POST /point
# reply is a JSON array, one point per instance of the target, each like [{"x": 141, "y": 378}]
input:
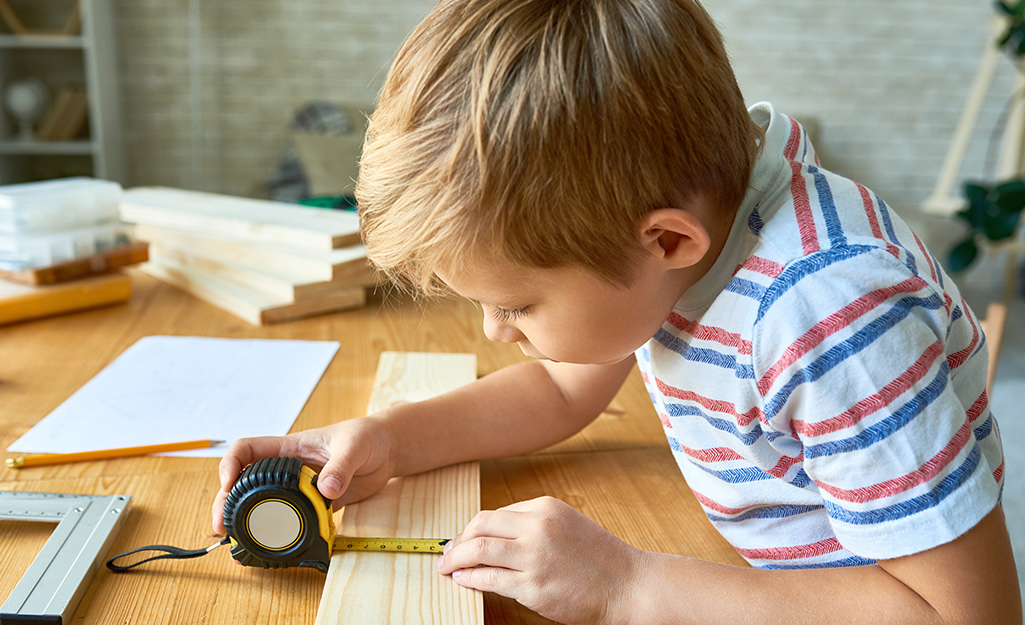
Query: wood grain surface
[
  {"x": 401, "y": 588},
  {"x": 618, "y": 470}
]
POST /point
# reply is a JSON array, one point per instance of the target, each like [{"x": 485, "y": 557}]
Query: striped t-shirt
[{"x": 823, "y": 386}]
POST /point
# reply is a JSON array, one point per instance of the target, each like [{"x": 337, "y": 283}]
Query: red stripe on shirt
[
  {"x": 820, "y": 548},
  {"x": 923, "y": 474},
  {"x": 784, "y": 465},
  {"x": 715, "y": 405},
  {"x": 799, "y": 191},
  {"x": 875, "y": 402},
  {"x": 794, "y": 141},
  {"x": 710, "y": 333},
  {"x": 712, "y": 454},
  {"x": 978, "y": 407},
  {"x": 763, "y": 266},
  {"x": 711, "y": 504},
  {"x": 802, "y": 209},
  {"x": 873, "y": 219},
  {"x": 928, "y": 257},
  {"x": 958, "y": 358},
  {"x": 833, "y": 324}
]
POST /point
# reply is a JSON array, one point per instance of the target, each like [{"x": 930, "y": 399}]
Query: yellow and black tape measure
[{"x": 276, "y": 518}]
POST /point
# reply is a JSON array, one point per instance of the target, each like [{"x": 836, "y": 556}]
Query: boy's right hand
[{"x": 356, "y": 457}]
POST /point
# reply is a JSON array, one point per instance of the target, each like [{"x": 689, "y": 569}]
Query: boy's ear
[{"x": 675, "y": 236}]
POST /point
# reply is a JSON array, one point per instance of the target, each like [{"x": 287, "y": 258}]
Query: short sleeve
[{"x": 878, "y": 376}]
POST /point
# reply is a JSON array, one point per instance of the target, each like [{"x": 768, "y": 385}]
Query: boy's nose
[{"x": 501, "y": 332}]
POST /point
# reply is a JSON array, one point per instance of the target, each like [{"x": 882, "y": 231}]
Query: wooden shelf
[
  {"x": 80, "y": 133},
  {"x": 47, "y": 147},
  {"x": 42, "y": 41}
]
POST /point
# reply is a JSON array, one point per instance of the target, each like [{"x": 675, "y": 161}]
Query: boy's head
[{"x": 541, "y": 132}]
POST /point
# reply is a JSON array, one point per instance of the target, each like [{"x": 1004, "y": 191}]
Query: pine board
[
  {"x": 250, "y": 305},
  {"x": 347, "y": 264},
  {"x": 406, "y": 589},
  {"x": 245, "y": 219},
  {"x": 278, "y": 282},
  {"x": 19, "y": 302},
  {"x": 97, "y": 264}
]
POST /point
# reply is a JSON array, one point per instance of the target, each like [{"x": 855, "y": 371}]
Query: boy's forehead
[{"x": 493, "y": 282}]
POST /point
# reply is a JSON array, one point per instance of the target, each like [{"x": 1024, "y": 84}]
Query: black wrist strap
[{"x": 172, "y": 553}]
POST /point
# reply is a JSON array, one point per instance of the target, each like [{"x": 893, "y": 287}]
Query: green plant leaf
[
  {"x": 1001, "y": 226},
  {"x": 963, "y": 255},
  {"x": 975, "y": 212}
]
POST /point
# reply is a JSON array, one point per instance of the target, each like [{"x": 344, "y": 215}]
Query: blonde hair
[{"x": 541, "y": 131}]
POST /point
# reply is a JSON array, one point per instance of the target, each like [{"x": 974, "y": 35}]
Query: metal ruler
[{"x": 54, "y": 583}]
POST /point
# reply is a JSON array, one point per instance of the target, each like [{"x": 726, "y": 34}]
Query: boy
[{"x": 587, "y": 172}]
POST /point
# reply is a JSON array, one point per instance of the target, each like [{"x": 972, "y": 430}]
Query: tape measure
[{"x": 276, "y": 518}]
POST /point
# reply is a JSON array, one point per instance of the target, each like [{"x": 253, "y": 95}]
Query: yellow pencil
[{"x": 104, "y": 454}]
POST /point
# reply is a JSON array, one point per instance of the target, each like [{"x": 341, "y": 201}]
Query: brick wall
[
  {"x": 215, "y": 116},
  {"x": 883, "y": 81}
]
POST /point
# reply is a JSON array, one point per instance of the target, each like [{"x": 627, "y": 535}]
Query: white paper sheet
[{"x": 166, "y": 389}]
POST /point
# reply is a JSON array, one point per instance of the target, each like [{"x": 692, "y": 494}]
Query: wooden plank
[
  {"x": 97, "y": 264},
  {"x": 405, "y": 589},
  {"x": 277, "y": 282},
  {"x": 993, "y": 328},
  {"x": 19, "y": 302},
  {"x": 244, "y": 219},
  {"x": 253, "y": 306},
  {"x": 347, "y": 264}
]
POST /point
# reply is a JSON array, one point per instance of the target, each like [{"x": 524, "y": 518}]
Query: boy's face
[{"x": 567, "y": 314}]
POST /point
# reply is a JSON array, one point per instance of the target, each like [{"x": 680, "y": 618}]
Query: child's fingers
[
  {"x": 488, "y": 579},
  {"x": 483, "y": 551},
  {"x": 242, "y": 453},
  {"x": 246, "y": 451},
  {"x": 218, "y": 512}
]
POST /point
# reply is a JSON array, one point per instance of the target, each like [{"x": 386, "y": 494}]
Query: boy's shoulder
[{"x": 802, "y": 218}]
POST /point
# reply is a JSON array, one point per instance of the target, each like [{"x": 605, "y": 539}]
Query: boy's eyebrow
[{"x": 479, "y": 303}]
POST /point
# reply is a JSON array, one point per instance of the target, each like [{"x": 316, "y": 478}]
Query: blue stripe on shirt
[
  {"x": 834, "y": 228},
  {"x": 800, "y": 269},
  {"x": 851, "y": 561},
  {"x": 746, "y": 288},
  {"x": 723, "y": 425},
  {"x": 884, "y": 428},
  {"x": 904, "y": 509},
  {"x": 782, "y": 511},
  {"x": 851, "y": 346},
  {"x": 884, "y": 214},
  {"x": 704, "y": 355}
]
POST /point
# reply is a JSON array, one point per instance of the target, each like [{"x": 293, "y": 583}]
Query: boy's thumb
[{"x": 329, "y": 484}]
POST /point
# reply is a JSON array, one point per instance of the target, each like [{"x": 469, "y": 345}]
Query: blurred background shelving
[{"x": 61, "y": 52}]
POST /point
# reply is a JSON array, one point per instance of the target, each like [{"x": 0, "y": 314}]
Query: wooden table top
[{"x": 619, "y": 471}]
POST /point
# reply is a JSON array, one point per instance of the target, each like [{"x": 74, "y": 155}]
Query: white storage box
[
  {"x": 58, "y": 205},
  {"x": 23, "y": 251}
]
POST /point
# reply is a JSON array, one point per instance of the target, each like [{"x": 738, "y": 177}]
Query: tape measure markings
[{"x": 408, "y": 545}]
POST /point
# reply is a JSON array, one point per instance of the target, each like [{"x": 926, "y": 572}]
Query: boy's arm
[
  {"x": 511, "y": 411},
  {"x": 594, "y": 577}
]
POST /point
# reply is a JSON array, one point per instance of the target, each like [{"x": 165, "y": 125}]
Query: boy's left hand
[{"x": 547, "y": 556}]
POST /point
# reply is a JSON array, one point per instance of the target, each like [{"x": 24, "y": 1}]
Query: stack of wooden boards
[
  {"x": 61, "y": 248},
  {"x": 262, "y": 261}
]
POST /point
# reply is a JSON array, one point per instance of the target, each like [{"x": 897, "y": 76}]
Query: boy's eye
[{"x": 506, "y": 314}]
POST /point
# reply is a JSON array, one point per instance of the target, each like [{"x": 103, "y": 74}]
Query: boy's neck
[{"x": 719, "y": 233}]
